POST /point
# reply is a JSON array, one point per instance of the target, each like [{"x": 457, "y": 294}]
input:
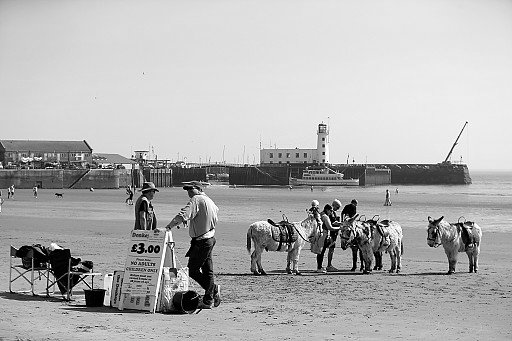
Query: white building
[{"x": 320, "y": 155}]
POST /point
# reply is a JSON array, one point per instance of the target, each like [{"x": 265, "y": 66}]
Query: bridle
[
  {"x": 434, "y": 233},
  {"x": 310, "y": 216}
]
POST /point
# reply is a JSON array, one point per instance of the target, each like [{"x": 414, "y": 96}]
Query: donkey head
[
  {"x": 433, "y": 235},
  {"x": 348, "y": 232}
]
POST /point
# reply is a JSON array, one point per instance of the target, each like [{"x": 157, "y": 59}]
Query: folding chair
[
  {"x": 61, "y": 266},
  {"x": 36, "y": 270}
]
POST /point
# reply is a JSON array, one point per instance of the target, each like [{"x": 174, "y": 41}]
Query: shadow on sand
[{"x": 27, "y": 296}]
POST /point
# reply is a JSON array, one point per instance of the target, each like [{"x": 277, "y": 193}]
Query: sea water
[{"x": 487, "y": 201}]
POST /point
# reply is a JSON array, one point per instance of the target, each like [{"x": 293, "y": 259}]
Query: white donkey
[
  {"x": 451, "y": 237},
  {"x": 261, "y": 234},
  {"x": 387, "y": 236}
]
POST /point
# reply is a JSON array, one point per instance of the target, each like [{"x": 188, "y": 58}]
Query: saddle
[
  {"x": 383, "y": 229},
  {"x": 283, "y": 232},
  {"x": 466, "y": 231}
]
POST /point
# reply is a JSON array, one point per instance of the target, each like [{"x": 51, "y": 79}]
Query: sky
[{"x": 218, "y": 80}]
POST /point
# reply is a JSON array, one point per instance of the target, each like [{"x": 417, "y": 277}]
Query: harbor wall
[
  {"x": 429, "y": 174},
  {"x": 259, "y": 176},
  {"x": 97, "y": 178},
  {"x": 280, "y": 174},
  {"x": 375, "y": 176},
  {"x": 168, "y": 177},
  {"x": 62, "y": 178}
]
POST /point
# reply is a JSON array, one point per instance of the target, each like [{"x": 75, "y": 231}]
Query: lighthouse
[{"x": 322, "y": 144}]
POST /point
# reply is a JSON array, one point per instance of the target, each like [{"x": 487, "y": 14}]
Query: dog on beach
[{"x": 59, "y": 195}]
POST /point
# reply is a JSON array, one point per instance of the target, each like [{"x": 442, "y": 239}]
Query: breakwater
[
  {"x": 429, "y": 174},
  {"x": 368, "y": 175},
  {"x": 279, "y": 175}
]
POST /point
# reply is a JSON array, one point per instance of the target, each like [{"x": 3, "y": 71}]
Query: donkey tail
[
  {"x": 402, "y": 248},
  {"x": 249, "y": 237}
]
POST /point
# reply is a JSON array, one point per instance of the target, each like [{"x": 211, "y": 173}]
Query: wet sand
[{"x": 421, "y": 303}]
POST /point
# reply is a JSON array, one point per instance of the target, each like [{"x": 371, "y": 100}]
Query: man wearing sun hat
[
  {"x": 201, "y": 215},
  {"x": 145, "y": 218}
]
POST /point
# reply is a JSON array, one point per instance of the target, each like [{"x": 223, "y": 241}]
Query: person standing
[
  {"x": 335, "y": 222},
  {"x": 201, "y": 215},
  {"x": 129, "y": 192},
  {"x": 145, "y": 218},
  {"x": 12, "y": 191},
  {"x": 350, "y": 210},
  {"x": 34, "y": 189},
  {"x": 1, "y": 203},
  {"x": 9, "y": 192},
  {"x": 326, "y": 229},
  {"x": 388, "y": 198}
]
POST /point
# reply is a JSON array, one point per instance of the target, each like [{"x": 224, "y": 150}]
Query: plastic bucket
[
  {"x": 94, "y": 297},
  {"x": 185, "y": 302}
]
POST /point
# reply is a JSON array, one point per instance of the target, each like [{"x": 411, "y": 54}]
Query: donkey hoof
[
  {"x": 263, "y": 273},
  {"x": 298, "y": 273},
  {"x": 288, "y": 271},
  {"x": 450, "y": 272},
  {"x": 353, "y": 269},
  {"x": 256, "y": 273},
  {"x": 366, "y": 272}
]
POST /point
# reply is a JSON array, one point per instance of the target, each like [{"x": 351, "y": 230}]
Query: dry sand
[{"x": 421, "y": 303}]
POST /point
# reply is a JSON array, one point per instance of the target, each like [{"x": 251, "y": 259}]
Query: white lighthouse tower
[{"x": 322, "y": 144}]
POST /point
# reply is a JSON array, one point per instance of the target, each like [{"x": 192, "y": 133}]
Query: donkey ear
[
  {"x": 438, "y": 220},
  {"x": 430, "y": 219}
]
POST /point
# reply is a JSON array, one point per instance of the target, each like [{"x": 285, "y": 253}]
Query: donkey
[
  {"x": 451, "y": 237},
  {"x": 260, "y": 233},
  {"x": 387, "y": 236},
  {"x": 354, "y": 232}
]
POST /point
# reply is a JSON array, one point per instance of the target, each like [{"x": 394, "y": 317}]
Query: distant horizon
[{"x": 395, "y": 80}]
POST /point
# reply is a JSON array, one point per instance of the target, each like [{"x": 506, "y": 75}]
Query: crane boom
[{"x": 457, "y": 140}]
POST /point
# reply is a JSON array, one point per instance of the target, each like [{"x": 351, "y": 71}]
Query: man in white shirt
[{"x": 201, "y": 215}]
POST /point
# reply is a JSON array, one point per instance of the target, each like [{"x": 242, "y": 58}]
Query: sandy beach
[{"x": 421, "y": 303}]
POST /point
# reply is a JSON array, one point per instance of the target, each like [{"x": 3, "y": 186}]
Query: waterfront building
[
  {"x": 15, "y": 153},
  {"x": 113, "y": 161},
  {"x": 319, "y": 155}
]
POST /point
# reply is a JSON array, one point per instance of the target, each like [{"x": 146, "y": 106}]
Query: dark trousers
[
  {"x": 320, "y": 257},
  {"x": 200, "y": 266}
]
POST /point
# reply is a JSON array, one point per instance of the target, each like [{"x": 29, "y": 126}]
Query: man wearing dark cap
[
  {"x": 201, "y": 215},
  {"x": 145, "y": 218}
]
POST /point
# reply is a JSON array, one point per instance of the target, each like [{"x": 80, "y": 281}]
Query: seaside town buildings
[{"x": 42, "y": 154}]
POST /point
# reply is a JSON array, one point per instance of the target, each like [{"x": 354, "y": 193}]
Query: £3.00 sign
[{"x": 143, "y": 269}]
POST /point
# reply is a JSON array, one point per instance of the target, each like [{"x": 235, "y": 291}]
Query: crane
[{"x": 454, "y": 144}]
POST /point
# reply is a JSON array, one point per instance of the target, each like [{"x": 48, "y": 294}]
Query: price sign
[
  {"x": 141, "y": 248},
  {"x": 148, "y": 252}
]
